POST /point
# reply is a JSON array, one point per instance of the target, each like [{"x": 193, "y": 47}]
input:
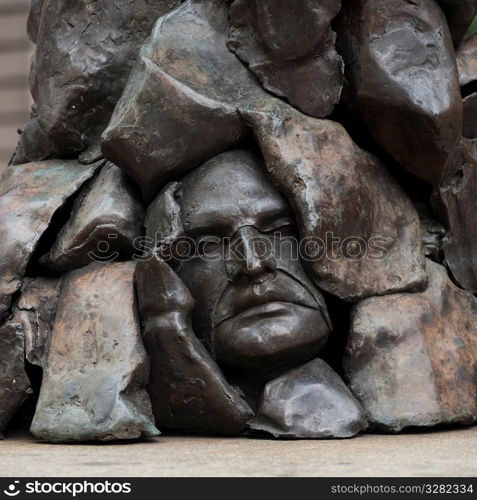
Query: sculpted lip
[
  {"x": 253, "y": 297},
  {"x": 269, "y": 309}
]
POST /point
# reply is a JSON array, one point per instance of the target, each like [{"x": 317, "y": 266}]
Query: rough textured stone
[
  {"x": 411, "y": 359},
  {"x": 30, "y": 194},
  {"x": 338, "y": 190},
  {"x": 96, "y": 367},
  {"x": 33, "y": 145},
  {"x": 27, "y": 334},
  {"x": 35, "y": 311},
  {"x": 467, "y": 61},
  {"x": 309, "y": 402},
  {"x": 34, "y": 19},
  {"x": 432, "y": 232},
  {"x": 472, "y": 145},
  {"x": 470, "y": 116},
  {"x": 291, "y": 49},
  {"x": 85, "y": 50},
  {"x": 179, "y": 107},
  {"x": 107, "y": 210},
  {"x": 402, "y": 81},
  {"x": 456, "y": 204},
  {"x": 14, "y": 383},
  {"x": 187, "y": 388},
  {"x": 460, "y": 14}
]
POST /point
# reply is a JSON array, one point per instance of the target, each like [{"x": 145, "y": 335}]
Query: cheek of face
[
  {"x": 206, "y": 282},
  {"x": 270, "y": 338}
]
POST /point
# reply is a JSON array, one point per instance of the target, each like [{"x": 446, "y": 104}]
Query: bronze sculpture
[
  {"x": 197, "y": 219},
  {"x": 261, "y": 315}
]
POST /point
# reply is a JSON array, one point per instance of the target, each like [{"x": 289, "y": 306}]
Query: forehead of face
[{"x": 229, "y": 192}]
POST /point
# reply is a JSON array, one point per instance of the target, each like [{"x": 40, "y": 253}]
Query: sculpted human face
[{"x": 255, "y": 307}]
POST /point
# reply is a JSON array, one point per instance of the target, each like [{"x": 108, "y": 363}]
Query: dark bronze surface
[
  {"x": 96, "y": 369},
  {"x": 107, "y": 212},
  {"x": 187, "y": 388},
  {"x": 261, "y": 312},
  {"x": 410, "y": 358},
  {"x": 402, "y": 81},
  {"x": 34, "y": 19},
  {"x": 456, "y": 203},
  {"x": 290, "y": 47},
  {"x": 30, "y": 194},
  {"x": 34, "y": 145},
  {"x": 85, "y": 50},
  {"x": 309, "y": 402},
  {"x": 467, "y": 61},
  {"x": 14, "y": 382},
  {"x": 179, "y": 108},
  {"x": 339, "y": 190},
  {"x": 470, "y": 116},
  {"x": 35, "y": 311},
  {"x": 23, "y": 338},
  {"x": 460, "y": 14},
  {"x": 211, "y": 275},
  {"x": 432, "y": 231}
]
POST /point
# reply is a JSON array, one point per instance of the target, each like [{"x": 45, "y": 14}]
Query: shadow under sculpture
[{"x": 233, "y": 325}]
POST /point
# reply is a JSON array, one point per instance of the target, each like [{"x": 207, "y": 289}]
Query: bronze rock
[
  {"x": 34, "y": 145},
  {"x": 85, "y": 50},
  {"x": 34, "y": 19},
  {"x": 309, "y": 402},
  {"x": 467, "y": 61},
  {"x": 107, "y": 212},
  {"x": 179, "y": 107},
  {"x": 402, "y": 81},
  {"x": 14, "y": 382},
  {"x": 30, "y": 194},
  {"x": 188, "y": 390},
  {"x": 290, "y": 47},
  {"x": 460, "y": 14},
  {"x": 35, "y": 311},
  {"x": 470, "y": 116},
  {"x": 96, "y": 370},
  {"x": 411, "y": 359},
  {"x": 456, "y": 203},
  {"x": 363, "y": 231}
]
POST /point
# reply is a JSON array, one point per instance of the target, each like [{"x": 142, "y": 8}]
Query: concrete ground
[{"x": 439, "y": 453}]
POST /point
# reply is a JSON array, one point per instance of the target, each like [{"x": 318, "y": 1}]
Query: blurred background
[{"x": 15, "y": 54}]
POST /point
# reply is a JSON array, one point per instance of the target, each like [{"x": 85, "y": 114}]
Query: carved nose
[{"x": 251, "y": 254}]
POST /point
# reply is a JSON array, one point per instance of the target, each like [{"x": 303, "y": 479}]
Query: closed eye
[
  {"x": 207, "y": 244},
  {"x": 287, "y": 228}
]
